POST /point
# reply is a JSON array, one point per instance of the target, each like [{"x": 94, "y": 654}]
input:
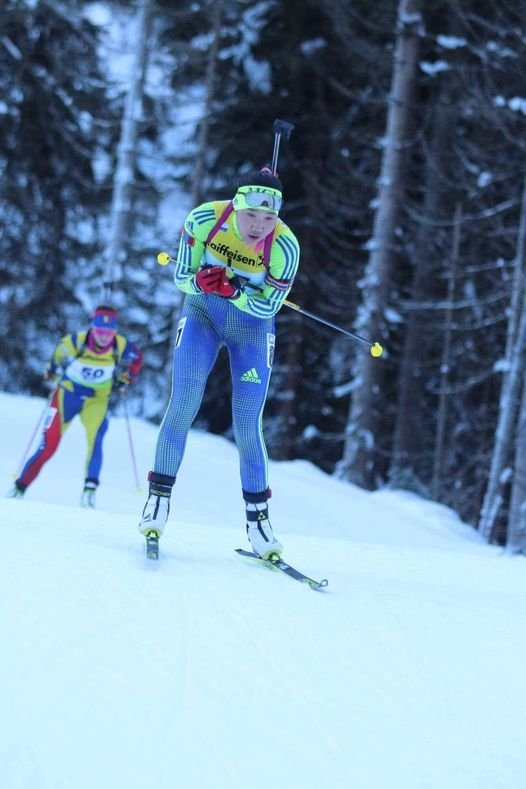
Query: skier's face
[
  {"x": 254, "y": 225},
  {"x": 103, "y": 336}
]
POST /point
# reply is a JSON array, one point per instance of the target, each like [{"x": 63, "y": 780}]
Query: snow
[
  {"x": 518, "y": 104},
  {"x": 205, "y": 671},
  {"x": 451, "y": 42},
  {"x": 435, "y": 67}
]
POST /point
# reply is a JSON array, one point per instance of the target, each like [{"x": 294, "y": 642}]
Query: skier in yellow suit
[{"x": 85, "y": 367}]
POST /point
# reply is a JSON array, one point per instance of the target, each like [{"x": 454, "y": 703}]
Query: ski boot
[
  {"x": 16, "y": 492},
  {"x": 156, "y": 511},
  {"x": 259, "y": 530},
  {"x": 87, "y": 500}
]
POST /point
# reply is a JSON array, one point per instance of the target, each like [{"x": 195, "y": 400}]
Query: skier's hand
[
  {"x": 214, "y": 279},
  {"x": 208, "y": 278},
  {"x": 124, "y": 380},
  {"x": 229, "y": 287}
]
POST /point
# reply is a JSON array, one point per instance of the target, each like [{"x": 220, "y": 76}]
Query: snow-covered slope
[{"x": 205, "y": 671}]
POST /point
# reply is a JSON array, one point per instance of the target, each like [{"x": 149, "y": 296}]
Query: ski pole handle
[{"x": 283, "y": 128}]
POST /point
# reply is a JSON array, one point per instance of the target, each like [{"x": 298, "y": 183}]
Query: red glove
[
  {"x": 229, "y": 287},
  {"x": 208, "y": 278},
  {"x": 214, "y": 279}
]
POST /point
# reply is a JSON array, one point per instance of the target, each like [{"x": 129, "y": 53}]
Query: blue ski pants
[{"x": 208, "y": 323}]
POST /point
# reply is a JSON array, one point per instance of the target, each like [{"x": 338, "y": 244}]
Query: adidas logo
[{"x": 251, "y": 376}]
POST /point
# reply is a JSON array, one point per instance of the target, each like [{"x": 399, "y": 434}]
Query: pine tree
[{"x": 53, "y": 128}]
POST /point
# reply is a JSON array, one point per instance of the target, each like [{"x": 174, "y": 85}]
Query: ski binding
[{"x": 152, "y": 545}]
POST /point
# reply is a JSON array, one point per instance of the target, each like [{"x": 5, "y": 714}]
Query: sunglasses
[
  {"x": 104, "y": 331},
  {"x": 270, "y": 200}
]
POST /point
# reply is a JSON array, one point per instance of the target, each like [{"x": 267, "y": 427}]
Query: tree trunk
[
  {"x": 126, "y": 156},
  {"x": 359, "y": 457},
  {"x": 211, "y": 72},
  {"x": 411, "y": 461},
  {"x": 516, "y": 535},
  {"x": 441, "y": 427},
  {"x": 510, "y": 392}
]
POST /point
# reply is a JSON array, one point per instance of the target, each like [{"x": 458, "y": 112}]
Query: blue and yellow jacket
[{"x": 91, "y": 373}]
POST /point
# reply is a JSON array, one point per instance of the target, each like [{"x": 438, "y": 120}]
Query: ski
[
  {"x": 287, "y": 569},
  {"x": 152, "y": 545}
]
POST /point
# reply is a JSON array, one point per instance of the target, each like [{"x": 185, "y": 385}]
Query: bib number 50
[{"x": 92, "y": 373}]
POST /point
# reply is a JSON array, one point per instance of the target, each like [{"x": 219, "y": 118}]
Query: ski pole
[
  {"x": 41, "y": 418},
  {"x": 132, "y": 451},
  {"x": 375, "y": 349}
]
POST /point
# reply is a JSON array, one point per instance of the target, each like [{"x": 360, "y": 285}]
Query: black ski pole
[{"x": 375, "y": 349}]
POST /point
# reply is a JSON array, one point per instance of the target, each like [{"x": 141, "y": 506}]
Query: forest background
[{"x": 404, "y": 180}]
